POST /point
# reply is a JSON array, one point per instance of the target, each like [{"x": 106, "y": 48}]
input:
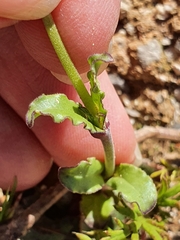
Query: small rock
[
  {"x": 171, "y": 54},
  {"x": 122, "y": 32},
  {"x": 116, "y": 80},
  {"x": 176, "y": 67},
  {"x": 175, "y": 23},
  {"x": 162, "y": 78},
  {"x": 177, "y": 94},
  {"x": 177, "y": 45},
  {"x": 130, "y": 29},
  {"x": 165, "y": 41},
  {"x": 164, "y": 10},
  {"x": 149, "y": 53},
  {"x": 126, "y": 5},
  {"x": 132, "y": 113},
  {"x": 161, "y": 14}
]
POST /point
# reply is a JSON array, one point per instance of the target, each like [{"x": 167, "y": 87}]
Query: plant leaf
[
  {"x": 117, "y": 234},
  {"x": 96, "y": 209},
  {"x": 135, "y": 236},
  {"x": 7, "y": 206},
  {"x": 134, "y": 185},
  {"x": 82, "y": 236},
  {"x": 85, "y": 178},
  {"x": 97, "y": 95},
  {"x": 155, "y": 232},
  {"x": 59, "y": 107}
]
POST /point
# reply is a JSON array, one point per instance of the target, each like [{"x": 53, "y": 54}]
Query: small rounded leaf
[
  {"x": 85, "y": 178},
  {"x": 134, "y": 186}
]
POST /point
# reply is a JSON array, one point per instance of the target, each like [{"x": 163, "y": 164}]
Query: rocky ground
[
  {"x": 146, "y": 49},
  {"x": 146, "y": 75}
]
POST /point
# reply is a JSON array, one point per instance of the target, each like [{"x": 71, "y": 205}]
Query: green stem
[
  {"x": 78, "y": 84},
  {"x": 68, "y": 64},
  {"x": 108, "y": 146}
]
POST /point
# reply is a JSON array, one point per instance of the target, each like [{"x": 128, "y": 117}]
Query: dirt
[
  {"x": 146, "y": 75},
  {"x": 146, "y": 49}
]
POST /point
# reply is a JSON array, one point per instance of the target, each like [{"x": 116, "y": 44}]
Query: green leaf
[
  {"x": 154, "y": 231},
  {"x": 82, "y": 236},
  {"x": 96, "y": 209},
  {"x": 168, "y": 196},
  {"x": 168, "y": 202},
  {"x": 85, "y": 178},
  {"x": 163, "y": 188},
  {"x": 135, "y": 236},
  {"x": 97, "y": 95},
  {"x": 134, "y": 185},
  {"x": 96, "y": 60},
  {"x": 7, "y": 209},
  {"x": 172, "y": 191},
  {"x": 59, "y": 107},
  {"x": 117, "y": 234},
  {"x": 126, "y": 211}
]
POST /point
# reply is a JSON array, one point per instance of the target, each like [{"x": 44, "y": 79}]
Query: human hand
[{"x": 26, "y": 59}]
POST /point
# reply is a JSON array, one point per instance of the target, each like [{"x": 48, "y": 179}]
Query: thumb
[{"x": 26, "y": 9}]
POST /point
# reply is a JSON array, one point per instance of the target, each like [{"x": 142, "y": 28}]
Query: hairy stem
[
  {"x": 108, "y": 146},
  {"x": 78, "y": 84},
  {"x": 67, "y": 64}
]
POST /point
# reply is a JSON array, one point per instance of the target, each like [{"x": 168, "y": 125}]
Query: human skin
[{"x": 26, "y": 62}]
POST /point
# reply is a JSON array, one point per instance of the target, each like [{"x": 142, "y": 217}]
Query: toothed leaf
[
  {"x": 59, "y": 107},
  {"x": 97, "y": 95}
]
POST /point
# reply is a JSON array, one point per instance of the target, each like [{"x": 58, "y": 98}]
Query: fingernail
[
  {"x": 65, "y": 78},
  {"x": 138, "y": 156},
  {"x": 28, "y": 10}
]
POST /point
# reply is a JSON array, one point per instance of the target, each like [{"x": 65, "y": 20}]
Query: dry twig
[
  {"x": 19, "y": 226},
  {"x": 158, "y": 132}
]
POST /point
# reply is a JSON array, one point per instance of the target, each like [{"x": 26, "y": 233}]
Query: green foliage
[
  {"x": 88, "y": 176},
  {"x": 97, "y": 95},
  {"x": 131, "y": 223},
  {"x": 85, "y": 178},
  {"x": 6, "y": 211},
  {"x": 168, "y": 186},
  {"x": 96, "y": 209},
  {"x": 82, "y": 236},
  {"x": 129, "y": 191},
  {"x": 59, "y": 107},
  {"x": 132, "y": 227},
  {"x": 131, "y": 188}
]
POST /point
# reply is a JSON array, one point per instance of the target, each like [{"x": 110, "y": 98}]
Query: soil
[
  {"x": 146, "y": 49},
  {"x": 146, "y": 75}
]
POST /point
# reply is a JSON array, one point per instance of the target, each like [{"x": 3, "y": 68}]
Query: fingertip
[
  {"x": 5, "y": 22},
  {"x": 83, "y": 32},
  {"x": 77, "y": 144},
  {"x": 22, "y": 155},
  {"x": 27, "y": 9}
]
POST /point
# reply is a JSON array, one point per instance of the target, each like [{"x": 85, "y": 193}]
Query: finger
[
  {"x": 26, "y": 9},
  {"x": 78, "y": 144},
  {"x": 25, "y": 80},
  {"x": 6, "y": 22},
  {"x": 21, "y": 154},
  {"x": 86, "y": 27}
]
